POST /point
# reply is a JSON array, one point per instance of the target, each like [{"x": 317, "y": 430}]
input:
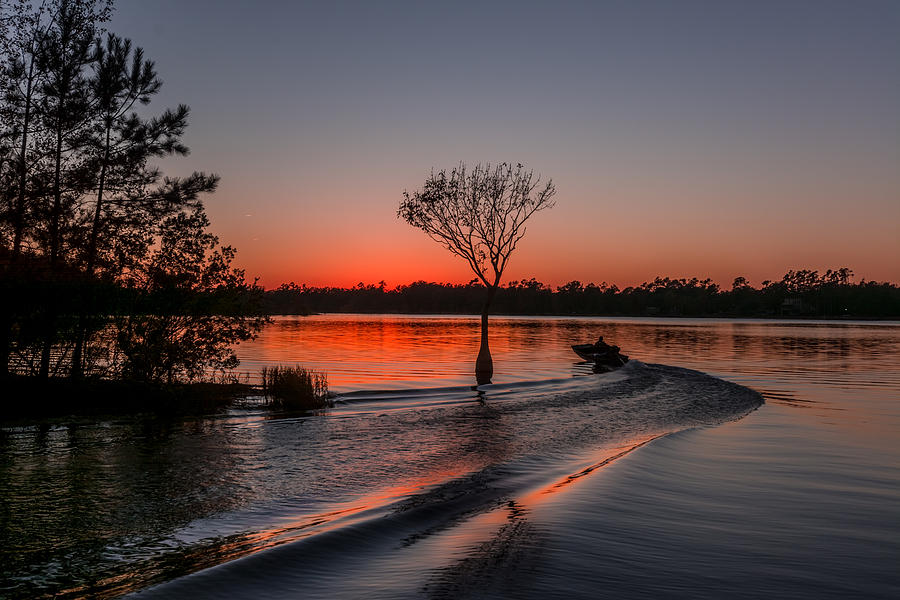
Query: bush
[{"x": 295, "y": 388}]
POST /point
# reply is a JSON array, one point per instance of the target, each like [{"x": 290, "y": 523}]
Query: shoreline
[
  {"x": 613, "y": 317},
  {"x": 32, "y": 400}
]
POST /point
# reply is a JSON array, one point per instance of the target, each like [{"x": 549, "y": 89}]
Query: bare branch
[{"x": 478, "y": 214}]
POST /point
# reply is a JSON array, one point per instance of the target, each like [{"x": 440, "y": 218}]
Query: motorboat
[{"x": 601, "y": 356}]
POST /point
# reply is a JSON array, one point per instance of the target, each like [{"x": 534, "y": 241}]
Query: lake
[{"x": 730, "y": 457}]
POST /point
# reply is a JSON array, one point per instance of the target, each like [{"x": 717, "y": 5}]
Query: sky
[{"x": 709, "y": 139}]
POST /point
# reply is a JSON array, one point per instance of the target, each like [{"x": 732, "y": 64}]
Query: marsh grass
[{"x": 295, "y": 388}]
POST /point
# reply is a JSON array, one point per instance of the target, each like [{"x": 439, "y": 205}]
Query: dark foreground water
[{"x": 553, "y": 482}]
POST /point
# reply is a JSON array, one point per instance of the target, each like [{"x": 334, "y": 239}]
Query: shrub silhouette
[{"x": 295, "y": 388}]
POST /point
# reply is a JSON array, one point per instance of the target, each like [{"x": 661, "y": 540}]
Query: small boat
[{"x": 603, "y": 357}]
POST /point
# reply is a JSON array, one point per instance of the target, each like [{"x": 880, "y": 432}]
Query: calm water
[{"x": 552, "y": 482}]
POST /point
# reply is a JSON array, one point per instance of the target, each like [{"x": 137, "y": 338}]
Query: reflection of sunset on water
[
  {"x": 397, "y": 352},
  {"x": 424, "y": 484},
  {"x": 372, "y": 351}
]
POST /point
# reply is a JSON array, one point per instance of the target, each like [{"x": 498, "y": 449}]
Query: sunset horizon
[
  {"x": 724, "y": 282},
  {"x": 691, "y": 139}
]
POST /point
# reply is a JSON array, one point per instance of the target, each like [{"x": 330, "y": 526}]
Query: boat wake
[{"x": 399, "y": 494}]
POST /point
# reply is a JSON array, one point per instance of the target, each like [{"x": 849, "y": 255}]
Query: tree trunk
[
  {"x": 19, "y": 214},
  {"x": 46, "y": 349},
  {"x": 78, "y": 353},
  {"x": 55, "y": 216},
  {"x": 44, "y": 370},
  {"x": 6, "y": 323},
  {"x": 55, "y": 213},
  {"x": 484, "y": 364},
  {"x": 81, "y": 335}
]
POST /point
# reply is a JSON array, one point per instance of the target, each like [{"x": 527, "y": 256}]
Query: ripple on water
[{"x": 124, "y": 503}]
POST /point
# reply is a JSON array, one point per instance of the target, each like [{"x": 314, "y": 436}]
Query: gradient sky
[{"x": 709, "y": 139}]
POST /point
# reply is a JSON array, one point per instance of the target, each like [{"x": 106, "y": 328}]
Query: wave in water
[{"x": 410, "y": 478}]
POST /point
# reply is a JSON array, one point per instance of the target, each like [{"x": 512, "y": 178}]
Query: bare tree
[{"x": 479, "y": 215}]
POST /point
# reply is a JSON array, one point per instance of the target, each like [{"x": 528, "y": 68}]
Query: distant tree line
[
  {"x": 801, "y": 293},
  {"x": 107, "y": 267}
]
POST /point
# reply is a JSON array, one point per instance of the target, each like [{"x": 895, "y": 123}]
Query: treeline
[
  {"x": 107, "y": 267},
  {"x": 802, "y": 293}
]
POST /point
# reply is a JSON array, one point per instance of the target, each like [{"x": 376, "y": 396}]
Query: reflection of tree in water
[
  {"x": 750, "y": 343},
  {"x": 807, "y": 347},
  {"x": 103, "y": 492},
  {"x": 481, "y": 432}
]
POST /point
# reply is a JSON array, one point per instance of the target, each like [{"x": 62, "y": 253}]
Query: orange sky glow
[
  {"x": 625, "y": 245},
  {"x": 744, "y": 139}
]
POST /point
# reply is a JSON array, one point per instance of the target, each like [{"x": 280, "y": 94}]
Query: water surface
[{"x": 430, "y": 488}]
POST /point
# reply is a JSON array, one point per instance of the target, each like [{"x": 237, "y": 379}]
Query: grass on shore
[
  {"x": 27, "y": 398},
  {"x": 295, "y": 388}
]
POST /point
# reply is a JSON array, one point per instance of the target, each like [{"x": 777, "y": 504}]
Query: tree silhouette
[
  {"x": 65, "y": 51},
  {"x": 117, "y": 148},
  {"x": 106, "y": 266},
  {"x": 195, "y": 305},
  {"x": 831, "y": 294},
  {"x": 479, "y": 215}
]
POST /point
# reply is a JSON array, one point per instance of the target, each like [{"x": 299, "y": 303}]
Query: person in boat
[
  {"x": 601, "y": 353},
  {"x": 606, "y": 351},
  {"x": 603, "y": 348}
]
